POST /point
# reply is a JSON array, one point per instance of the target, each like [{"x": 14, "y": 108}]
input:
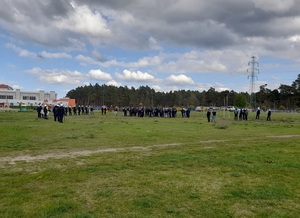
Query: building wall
[{"x": 17, "y": 97}]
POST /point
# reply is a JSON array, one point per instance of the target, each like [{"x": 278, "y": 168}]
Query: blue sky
[{"x": 166, "y": 45}]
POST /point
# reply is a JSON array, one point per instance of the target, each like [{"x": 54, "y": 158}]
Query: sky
[{"x": 164, "y": 44}]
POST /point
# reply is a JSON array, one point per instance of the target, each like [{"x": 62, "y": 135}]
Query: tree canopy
[{"x": 287, "y": 96}]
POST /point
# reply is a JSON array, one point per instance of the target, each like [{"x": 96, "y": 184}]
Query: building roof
[{"x": 6, "y": 87}]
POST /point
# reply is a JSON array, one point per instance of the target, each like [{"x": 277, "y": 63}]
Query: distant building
[
  {"x": 11, "y": 97},
  {"x": 68, "y": 102}
]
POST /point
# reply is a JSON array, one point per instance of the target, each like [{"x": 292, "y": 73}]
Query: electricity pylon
[{"x": 254, "y": 70}]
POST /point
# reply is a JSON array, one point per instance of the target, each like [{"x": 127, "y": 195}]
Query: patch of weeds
[
  {"x": 174, "y": 211},
  {"x": 104, "y": 193},
  {"x": 194, "y": 195},
  {"x": 83, "y": 215},
  {"x": 59, "y": 195},
  {"x": 11, "y": 211},
  {"x": 270, "y": 193},
  {"x": 235, "y": 175},
  {"x": 144, "y": 203},
  {"x": 222, "y": 124},
  {"x": 71, "y": 137},
  {"x": 91, "y": 136},
  {"x": 91, "y": 169},
  {"x": 58, "y": 209},
  {"x": 261, "y": 193}
]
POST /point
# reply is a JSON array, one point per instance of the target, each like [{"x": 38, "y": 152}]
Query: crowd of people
[
  {"x": 59, "y": 111},
  {"x": 155, "y": 112}
]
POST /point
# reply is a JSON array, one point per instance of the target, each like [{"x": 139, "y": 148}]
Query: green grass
[{"x": 115, "y": 166}]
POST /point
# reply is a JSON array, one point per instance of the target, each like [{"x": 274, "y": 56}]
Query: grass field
[{"x": 115, "y": 166}]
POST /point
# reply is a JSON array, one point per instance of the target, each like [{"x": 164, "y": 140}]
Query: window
[
  {"x": 10, "y": 97},
  {"x": 25, "y": 97},
  {"x": 32, "y": 98},
  {"x": 2, "y": 96}
]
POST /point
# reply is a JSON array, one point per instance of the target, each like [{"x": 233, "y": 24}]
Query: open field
[{"x": 115, "y": 166}]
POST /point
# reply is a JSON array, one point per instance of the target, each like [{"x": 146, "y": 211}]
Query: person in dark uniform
[
  {"x": 82, "y": 109},
  {"x": 208, "y": 115},
  {"x": 269, "y": 115},
  {"x": 74, "y": 110},
  {"x": 188, "y": 112},
  {"x": 39, "y": 110},
  {"x": 70, "y": 111},
  {"x": 79, "y": 109},
  {"x": 257, "y": 113},
  {"x": 61, "y": 112},
  {"x": 45, "y": 112},
  {"x": 55, "y": 112}
]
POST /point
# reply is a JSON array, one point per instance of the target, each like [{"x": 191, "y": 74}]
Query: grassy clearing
[{"x": 108, "y": 166}]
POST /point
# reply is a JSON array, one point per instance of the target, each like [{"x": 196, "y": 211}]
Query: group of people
[
  {"x": 268, "y": 114},
  {"x": 80, "y": 109},
  {"x": 241, "y": 114},
  {"x": 211, "y": 115},
  {"x": 43, "y": 111},
  {"x": 154, "y": 112},
  {"x": 59, "y": 111}
]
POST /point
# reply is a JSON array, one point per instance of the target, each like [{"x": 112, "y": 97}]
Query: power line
[{"x": 253, "y": 63}]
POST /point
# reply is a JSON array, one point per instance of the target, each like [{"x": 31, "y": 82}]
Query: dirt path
[{"x": 73, "y": 154}]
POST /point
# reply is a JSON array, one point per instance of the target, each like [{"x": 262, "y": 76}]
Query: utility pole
[{"x": 254, "y": 70}]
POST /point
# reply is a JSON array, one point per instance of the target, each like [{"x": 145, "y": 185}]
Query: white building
[{"x": 12, "y": 97}]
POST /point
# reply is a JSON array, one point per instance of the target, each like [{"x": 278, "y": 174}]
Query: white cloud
[
  {"x": 153, "y": 44},
  {"x": 180, "y": 80},
  {"x": 17, "y": 87},
  {"x": 114, "y": 83},
  {"x": 133, "y": 76},
  {"x": 45, "y": 54},
  {"x": 57, "y": 76},
  {"x": 278, "y": 6},
  {"x": 99, "y": 75},
  {"x": 85, "y": 60},
  {"x": 84, "y": 21},
  {"x": 21, "y": 52}
]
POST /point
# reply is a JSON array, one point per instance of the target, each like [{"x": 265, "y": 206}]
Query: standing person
[
  {"x": 39, "y": 111},
  {"x": 241, "y": 114},
  {"x": 182, "y": 112},
  {"x": 188, "y": 112},
  {"x": 70, "y": 111},
  {"x": 46, "y": 112},
  {"x": 92, "y": 110},
  {"x": 257, "y": 113},
  {"x": 79, "y": 109},
  {"x": 55, "y": 112},
  {"x": 246, "y": 114},
  {"x": 236, "y": 112},
  {"x": 214, "y": 116},
  {"x": 61, "y": 112},
  {"x": 208, "y": 115},
  {"x": 75, "y": 110},
  {"x": 269, "y": 115},
  {"x": 42, "y": 111},
  {"x": 82, "y": 109},
  {"x": 116, "y": 111}
]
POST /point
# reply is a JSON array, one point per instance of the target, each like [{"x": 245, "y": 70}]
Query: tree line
[{"x": 285, "y": 97}]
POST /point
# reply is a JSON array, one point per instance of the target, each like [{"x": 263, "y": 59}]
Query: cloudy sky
[{"x": 165, "y": 44}]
